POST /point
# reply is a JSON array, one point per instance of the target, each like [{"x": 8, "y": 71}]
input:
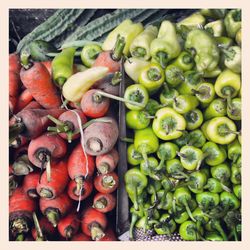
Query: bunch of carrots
[{"x": 62, "y": 156}]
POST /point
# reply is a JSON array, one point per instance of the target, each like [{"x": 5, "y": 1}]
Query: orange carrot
[
  {"x": 23, "y": 100},
  {"x": 14, "y": 63},
  {"x": 38, "y": 81}
]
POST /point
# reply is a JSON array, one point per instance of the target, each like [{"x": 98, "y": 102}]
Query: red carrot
[
  {"x": 21, "y": 208},
  {"x": 23, "y": 100},
  {"x": 14, "y": 63},
  {"x": 30, "y": 183},
  {"x": 100, "y": 137},
  {"x": 94, "y": 105},
  {"x": 104, "y": 202},
  {"x": 69, "y": 225},
  {"x": 81, "y": 237},
  {"x": 33, "y": 105},
  {"x": 47, "y": 64},
  {"x": 59, "y": 180},
  {"x": 45, "y": 148},
  {"x": 106, "y": 163},
  {"x": 109, "y": 235},
  {"x": 12, "y": 105},
  {"x": 46, "y": 227},
  {"x": 80, "y": 168},
  {"x": 106, "y": 183},
  {"x": 56, "y": 208},
  {"x": 14, "y": 84},
  {"x": 38, "y": 81},
  {"x": 67, "y": 124},
  {"x": 31, "y": 122},
  {"x": 94, "y": 223},
  {"x": 75, "y": 105},
  {"x": 84, "y": 192}
]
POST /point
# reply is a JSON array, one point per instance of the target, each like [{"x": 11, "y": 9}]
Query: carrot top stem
[
  {"x": 19, "y": 225},
  {"x": 46, "y": 193},
  {"x": 96, "y": 231},
  {"x": 53, "y": 216},
  {"x": 108, "y": 181},
  {"x": 79, "y": 184},
  {"x": 32, "y": 193},
  {"x": 38, "y": 228},
  {"x": 103, "y": 168},
  {"x": 117, "y": 52},
  {"x": 20, "y": 237},
  {"x": 101, "y": 203},
  {"x": 69, "y": 232}
]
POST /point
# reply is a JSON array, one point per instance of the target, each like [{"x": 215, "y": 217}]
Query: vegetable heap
[{"x": 185, "y": 158}]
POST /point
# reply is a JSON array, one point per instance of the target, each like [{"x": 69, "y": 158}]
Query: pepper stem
[
  {"x": 162, "y": 58},
  {"x": 139, "y": 52},
  {"x": 161, "y": 164},
  {"x": 118, "y": 50},
  {"x": 218, "y": 227},
  {"x": 224, "y": 187},
  {"x": 118, "y": 98},
  {"x": 126, "y": 139},
  {"x": 185, "y": 203},
  {"x": 134, "y": 219},
  {"x": 116, "y": 78}
]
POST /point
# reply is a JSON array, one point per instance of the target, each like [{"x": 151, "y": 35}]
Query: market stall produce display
[{"x": 174, "y": 78}]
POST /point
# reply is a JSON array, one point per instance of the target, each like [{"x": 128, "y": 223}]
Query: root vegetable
[
  {"x": 56, "y": 208},
  {"x": 22, "y": 165},
  {"x": 106, "y": 183},
  {"x": 30, "y": 183},
  {"x": 23, "y": 100},
  {"x": 69, "y": 225},
  {"x": 85, "y": 190},
  {"x": 109, "y": 235},
  {"x": 100, "y": 138},
  {"x": 94, "y": 223},
  {"x": 104, "y": 202},
  {"x": 106, "y": 163}
]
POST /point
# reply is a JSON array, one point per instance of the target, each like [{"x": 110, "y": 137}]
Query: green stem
[
  {"x": 56, "y": 121},
  {"x": 189, "y": 211},
  {"x": 116, "y": 78},
  {"x": 118, "y": 50},
  {"x": 126, "y": 139},
  {"x": 132, "y": 225}
]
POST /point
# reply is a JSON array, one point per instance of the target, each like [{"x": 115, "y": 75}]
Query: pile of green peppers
[{"x": 184, "y": 161}]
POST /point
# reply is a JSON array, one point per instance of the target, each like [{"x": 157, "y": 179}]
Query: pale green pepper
[
  {"x": 140, "y": 47},
  {"x": 232, "y": 22},
  {"x": 195, "y": 20},
  {"x": 166, "y": 46},
  {"x": 206, "y": 51},
  {"x": 215, "y": 28}
]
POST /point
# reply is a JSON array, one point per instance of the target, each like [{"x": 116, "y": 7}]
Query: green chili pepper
[
  {"x": 232, "y": 220},
  {"x": 133, "y": 156},
  {"x": 233, "y": 58},
  {"x": 238, "y": 37},
  {"x": 183, "y": 139},
  {"x": 206, "y": 51},
  {"x": 149, "y": 168},
  {"x": 235, "y": 174},
  {"x": 234, "y": 150},
  {"x": 227, "y": 84},
  {"x": 192, "y": 80},
  {"x": 181, "y": 217},
  {"x": 215, "y": 186},
  {"x": 135, "y": 184},
  {"x": 194, "y": 119},
  {"x": 169, "y": 184},
  {"x": 224, "y": 42},
  {"x": 166, "y": 151},
  {"x": 215, "y": 28},
  {"x": 174, "y": 75},
  {"x": 221, "y": 130},
  {"x": 232, "y": 22},
  {"x": 205, "y": 92},
  {"x": 214, "y": 13},
  {"x": 167, "y": 96},
  {"x": 152, "y": 106},
  {"x": 175, "y": 169},
  {"x": 89, "y": 53},
  {"x": 201, "y": 218},
  {"x": 213, "y": 236},
  {"x": 189, "y": 231},
  {"x": 137, "y": 119},
  {"x": 166, "y": 46},
  {"x": 237, "y": 191},
  {"x": 196, "y": 138},
  {"x": 140, "y": 47},
  {"x": 221, "y": 172},
  {"x": 197, "y": 181},
  {"x": 195, "y": 20},
  {"x": 136, "y": 93},
  {"x": 185, "y": 103},
  {"x": 168, "y": 124},
  {"x": 183, "y": 196},
  {"x": 229, "y": 201},
  {"x": 234, "y": 109},
  {"x": 152, "y": 77},
  {"x": 164, "y": 199},
  {"x": 126, "y": 29},
  {"x": 62, "y": 66},
  {"x": 217, "y": 108},
  {"x": 191, "y": 157},
  {"x": 133, "y": 67},
  {"x": 215, "y": 225},
  {"x": 166, "y": 225},
  {"x": 184, "y": 61},
  {"x": 207, "y": 200},
  {"x": 214, "y": 154},
  {"x": 146, "y": 142}
]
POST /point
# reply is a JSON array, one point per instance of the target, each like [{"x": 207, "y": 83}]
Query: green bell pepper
[
  {"x": 217, "y": 108},
  {"x": 233, "y": 58},
  {"x": 235, "y": 174},
  {"x": 149, "y": 168},
  {"x": 229, "y": 201},
  {"x": 196, "y": 138},
  {"x": 195, "y": 20},
  {"x": 215, "y": 186},
  {"x": 194, "y": 119},
  {"x": 188, "y": 231},
  {"x": 234, "y": 150},
  {"x": 137, "y": 119},
  {"x": 185, "y": 103},
  {"x": 207, "y": 200},
  {"x": 184, "y": 61},
  {"x": 174, "y": 75},
  {"x": 89, "y": 53},
  {"x": 215, "y": 28},
  {"x": 224, "y": 42},
  {"x": 237, "y": 191},
  {"x": 165, "y": 226},
  {"x": 133, "y": 156},
  {"x": 197, "y": 181},
  {"x": 234, "y": 109},
  {"x": 167, "y": 96},
  {"x": 232, "y": 22},
  {"x": 205, "y": 92},
  {"x": 238, "y": 37},
  {"x": 221, "y": 172},
  {"x": 175, "y": 169}
]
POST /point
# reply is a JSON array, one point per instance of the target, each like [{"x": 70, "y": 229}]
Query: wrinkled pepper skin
[{"x": 206, "y": 51}]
